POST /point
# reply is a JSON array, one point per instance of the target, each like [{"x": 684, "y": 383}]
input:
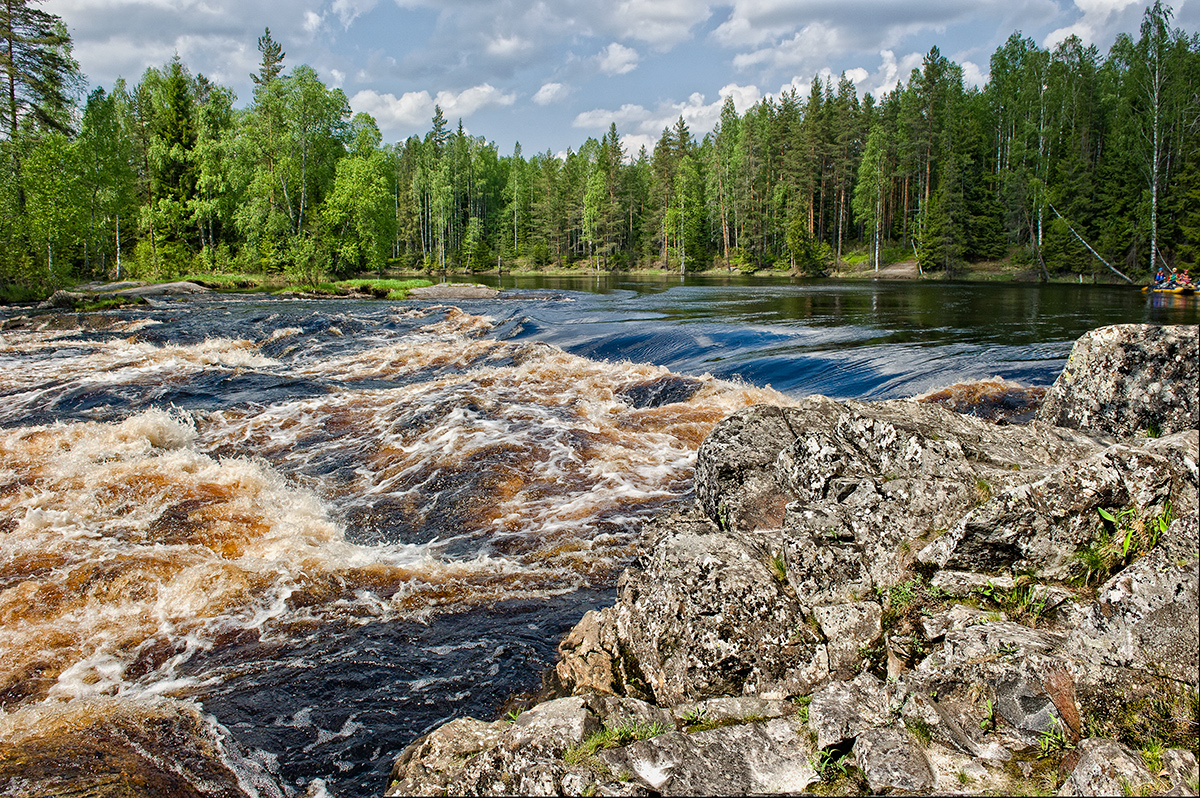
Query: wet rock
[
  {"x": 665, "y": 390},
  {"x": 771, "y": 757},
  {"x": 849, "y": 628},
  {"x": 1126, "y": 379},
  {"x": 1106, "y": 767},
  {"x": 891, "y": 759}
]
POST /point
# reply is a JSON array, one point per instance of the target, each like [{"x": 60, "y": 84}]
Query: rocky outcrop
[
  {"x": 1127, "y": 379},
  {"x": 453, "y": 291},
  {"x": 889, "y": 594}
]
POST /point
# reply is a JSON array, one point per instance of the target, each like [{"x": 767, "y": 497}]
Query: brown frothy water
[{"x": 513, "y": 470}]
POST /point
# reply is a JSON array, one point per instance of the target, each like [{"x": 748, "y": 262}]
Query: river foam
[{"x": 428, "y": 467}]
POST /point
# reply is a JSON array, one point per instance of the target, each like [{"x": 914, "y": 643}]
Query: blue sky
[{"x": 549, "y": 74}]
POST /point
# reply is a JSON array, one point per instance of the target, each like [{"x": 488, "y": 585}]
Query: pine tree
[{"x": 41, "y": 78}]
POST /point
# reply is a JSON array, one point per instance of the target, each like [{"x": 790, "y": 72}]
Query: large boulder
[{"x": 1129, "y": 379}]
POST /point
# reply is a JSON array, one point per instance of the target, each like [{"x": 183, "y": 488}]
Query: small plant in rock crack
[
  {"x": 989, "y": 718},
  {"x": 512, "y": 715},
  {"x": 779, "y": 568},
  {"x": 831, "y": 764},
  {"x": 1053, "y": 741}
]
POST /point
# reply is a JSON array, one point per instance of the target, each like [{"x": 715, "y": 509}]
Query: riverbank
[{"x": 890, "y": 596}]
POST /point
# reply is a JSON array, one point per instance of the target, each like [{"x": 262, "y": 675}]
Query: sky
[{"x": 551, "y": 73}]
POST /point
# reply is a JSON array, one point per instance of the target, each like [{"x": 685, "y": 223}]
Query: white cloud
[
  {"x": 661, "y": 23},
  {"x": 338, "y": 78},
  {"x": 810, "y": 47},
  {"x": 1094, "y": 25},
  {"x": 973, "y": 75},
  {"x": 617, "y": 59},
  {"x": 350, "y": 10},
  {"x": 415, "y": 108},
  {"x": 551, "y": 93},
  {"x": 643, "y": 125},
  {"x": 508, "y": 46},
  {"x": 313, "y": 21}
]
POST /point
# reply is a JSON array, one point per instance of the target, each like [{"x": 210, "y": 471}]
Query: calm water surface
[{"x": 315, "y": 530}]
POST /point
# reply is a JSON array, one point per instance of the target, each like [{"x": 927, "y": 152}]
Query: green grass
[{"x": 612, "y": 737}]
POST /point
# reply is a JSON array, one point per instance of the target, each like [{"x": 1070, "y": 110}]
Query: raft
[{"x": 1179, "y": 290}]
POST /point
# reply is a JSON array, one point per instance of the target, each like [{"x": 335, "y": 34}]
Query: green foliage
[
  {"x": 616, "y": 736},
  {"x": 1053, "y": 741},
  {"x": 1120, "y": 539}
]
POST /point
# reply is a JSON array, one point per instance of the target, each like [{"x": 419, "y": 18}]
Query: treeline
[{"x": 1065, "y": 160}]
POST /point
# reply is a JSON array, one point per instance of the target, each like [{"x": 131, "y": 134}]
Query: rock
[
  {"x": 1126, "y": 379},
  {"x": 587, "y": 655},
  {"x": 988, "y": 673},
  {"x": 1039, "y": 527},
  {"x": 848, "y": 628},
  {"x": 181, "y": 288},
  {"x": 557, "y": 724},
  {"x": 856, "y": 488},
  {"x": 67, "y": 300},
  {"x": 1106, "y": 767},
  {"x": 758, "y": 758},
  {"x": 961, "y": 584},
  {"x": 737, "y": 709},
  {"x": 1144, "y": 618},
  {"x": 613, "y": 711},
  {"x": 705, "y": 617},
  {"x": 665, "y": 390},
  {"x": 453, "y": 291},
  {"x": 891, "y": 759},
  {"x": 428, "y": 764},
  {"x": 840, "y": 711}
]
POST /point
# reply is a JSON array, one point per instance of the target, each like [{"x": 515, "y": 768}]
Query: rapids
[{"x": 254, "y": 547}]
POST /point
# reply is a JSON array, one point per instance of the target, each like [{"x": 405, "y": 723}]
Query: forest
[{"x": 1067, "y": 161}]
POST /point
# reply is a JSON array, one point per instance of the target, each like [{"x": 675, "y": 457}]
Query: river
[{"x": 255, "y": 546}]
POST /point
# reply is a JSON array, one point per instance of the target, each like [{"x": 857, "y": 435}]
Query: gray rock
[
  {"x": 848, "y": 628},
  {"x": 961, "y": 584},
  {"x": 705, "y": 617},
  {"x": 1124, "y": 379},
  {"x": 1145, "y": 617},
  {"x": 63, "y": 299},
  {"x": 731, "y": 709},
  {"x": 891, "y": 759},
  {"x": 1039, "y": 527},
  {"x": 453, "y": 291},
  {"x": 613, "y": 711},
  {"x": 1106, "y": 767},
  {"x": 428, "y": 764},
  {"x": 181, "y": 288},
  {"x": 558, "y": 724},
  {"x": 840, "y": 711},
  {"x": 757, "y": 758}
]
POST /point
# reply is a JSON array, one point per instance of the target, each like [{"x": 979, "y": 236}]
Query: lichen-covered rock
[
  {"x": 1106, "y": 767},
  {"x": 705, "y": 617},
  {"x": 758, "y": 758},
  {"x": 428, "y": 764},
  {"x": 63, "y": 299},
  {"x": 849, "y": 628},
  {"x": 1144, "y": 618},
  {"x": 587, "y": 656},
  {"x": 840, "y": 711},
  {"x": 891, "y": 759},
  {"x": 1129, "y": 378},
  {"x": 854, "y": 488},
  {"x": 1040, "y": 526}
]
